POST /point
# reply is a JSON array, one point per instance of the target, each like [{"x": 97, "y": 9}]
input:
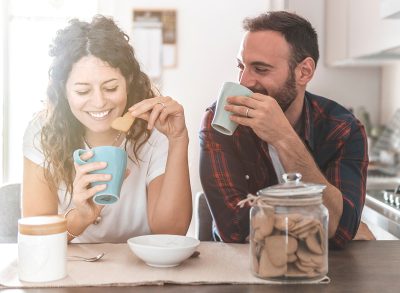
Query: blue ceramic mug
[{"x": 116, "y": 159}]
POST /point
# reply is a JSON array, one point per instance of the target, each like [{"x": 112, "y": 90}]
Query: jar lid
[
  {"x": 42, "y": 225},
  {"x": 293, "y": 186}
]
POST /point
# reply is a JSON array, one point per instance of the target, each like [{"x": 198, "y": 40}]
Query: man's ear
[{"x": 305, "y": 71}]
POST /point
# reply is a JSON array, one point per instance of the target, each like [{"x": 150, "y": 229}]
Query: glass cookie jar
[{"x": 289, "y": 232}]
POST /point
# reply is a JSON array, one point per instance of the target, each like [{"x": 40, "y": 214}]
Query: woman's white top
[{"x": 128, "y": 216}]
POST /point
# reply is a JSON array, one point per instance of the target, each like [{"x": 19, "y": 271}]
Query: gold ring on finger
[
  {"x": 247, "y": 112},
  {"x": 162, "y": 105}
]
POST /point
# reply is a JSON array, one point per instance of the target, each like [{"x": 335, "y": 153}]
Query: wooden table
[{"x": 364, "y": 266}]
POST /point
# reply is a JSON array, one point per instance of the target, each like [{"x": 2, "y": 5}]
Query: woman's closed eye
[
  {"x": 111, "y": 89},
  {"x": 82, "y": 92}
]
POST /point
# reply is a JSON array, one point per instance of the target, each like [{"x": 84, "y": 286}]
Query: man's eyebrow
[
  {"x": 256, "y": 63},
  {"x": 259, "y": 63}
]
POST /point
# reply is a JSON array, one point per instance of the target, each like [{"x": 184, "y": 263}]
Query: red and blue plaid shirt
[{"x": 233, "y": 166}]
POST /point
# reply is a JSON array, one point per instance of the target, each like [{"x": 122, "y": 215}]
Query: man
[{"x": 309, "y": 134}]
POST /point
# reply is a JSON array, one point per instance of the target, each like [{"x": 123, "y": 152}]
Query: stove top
[
  {"x": 387, "y": 199},
  {"x": 382, "y": 208}
]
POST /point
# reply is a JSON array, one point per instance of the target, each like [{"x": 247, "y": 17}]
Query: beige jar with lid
[
  {"x": 289, "y": 232},
  {"x": 42, "y": 248}
]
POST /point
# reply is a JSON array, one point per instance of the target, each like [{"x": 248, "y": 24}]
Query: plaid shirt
[{"x": 233, "y": 166}]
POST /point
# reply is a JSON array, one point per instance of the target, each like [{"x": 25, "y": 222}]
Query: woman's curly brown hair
[{"x": 62, "y": 133}]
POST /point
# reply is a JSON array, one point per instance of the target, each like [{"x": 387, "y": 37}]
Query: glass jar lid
[{"x": 292, "y": 187}]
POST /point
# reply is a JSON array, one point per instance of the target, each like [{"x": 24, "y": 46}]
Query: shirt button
[{"x": 247, "y": 177}]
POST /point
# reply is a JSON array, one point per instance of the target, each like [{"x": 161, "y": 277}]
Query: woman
[{"x": 95, "y": 78}]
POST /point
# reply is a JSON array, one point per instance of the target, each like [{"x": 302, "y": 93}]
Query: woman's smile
[{"x": 99, "y": 115}]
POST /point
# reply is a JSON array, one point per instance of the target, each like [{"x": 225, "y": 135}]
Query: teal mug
[
  {"x": 116, "y": 160},
  {"x": 221, "y": 121}
]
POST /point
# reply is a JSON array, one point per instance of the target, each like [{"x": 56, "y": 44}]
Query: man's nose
[{"x": 247, "y": 79}]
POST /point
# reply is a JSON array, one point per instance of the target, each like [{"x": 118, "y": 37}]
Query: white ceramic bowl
[{"x": 163, "y": 250}]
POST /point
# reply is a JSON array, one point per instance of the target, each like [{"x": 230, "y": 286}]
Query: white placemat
[{"x": 218, "y": 263}]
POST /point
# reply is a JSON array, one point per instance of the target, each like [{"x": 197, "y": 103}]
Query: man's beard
[{"x": 285, "y": 95}]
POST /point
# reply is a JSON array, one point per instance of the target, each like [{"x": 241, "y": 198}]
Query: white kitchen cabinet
[
  {"x": 357, "y": 35},
  {"x": 390, "y": 8}
]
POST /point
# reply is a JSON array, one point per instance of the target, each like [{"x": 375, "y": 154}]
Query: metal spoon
[{"x": 88, "y": 259}]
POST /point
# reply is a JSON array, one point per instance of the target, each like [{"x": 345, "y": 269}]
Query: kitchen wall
[
  {"x": 351, "y": 87},
  {"x": 390, "y": 101},
  {"x": 3, "y": 7},
  {"x": 209, "y": 33}
]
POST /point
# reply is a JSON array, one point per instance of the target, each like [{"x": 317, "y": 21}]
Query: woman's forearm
[
  {"x": 76, "y": 224},
  {"x": 172, "y": 209}
]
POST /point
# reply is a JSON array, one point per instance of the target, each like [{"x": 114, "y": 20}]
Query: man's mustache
[{"x": 259, "y": 91}]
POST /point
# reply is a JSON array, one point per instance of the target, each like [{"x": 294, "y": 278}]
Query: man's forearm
[{"x": 295, "y": 157}]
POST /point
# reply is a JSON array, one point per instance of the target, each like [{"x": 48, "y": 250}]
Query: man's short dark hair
[{"x": 296, "y": 30}]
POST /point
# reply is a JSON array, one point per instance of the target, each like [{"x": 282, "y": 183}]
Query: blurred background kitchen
[{"x": 189, "y": 49}]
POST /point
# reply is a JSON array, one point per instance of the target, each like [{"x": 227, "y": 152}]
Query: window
[{"x": 30, "y": 27}]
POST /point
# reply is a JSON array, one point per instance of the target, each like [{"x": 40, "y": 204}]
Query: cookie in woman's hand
[{"x": 123, "y": 123}]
